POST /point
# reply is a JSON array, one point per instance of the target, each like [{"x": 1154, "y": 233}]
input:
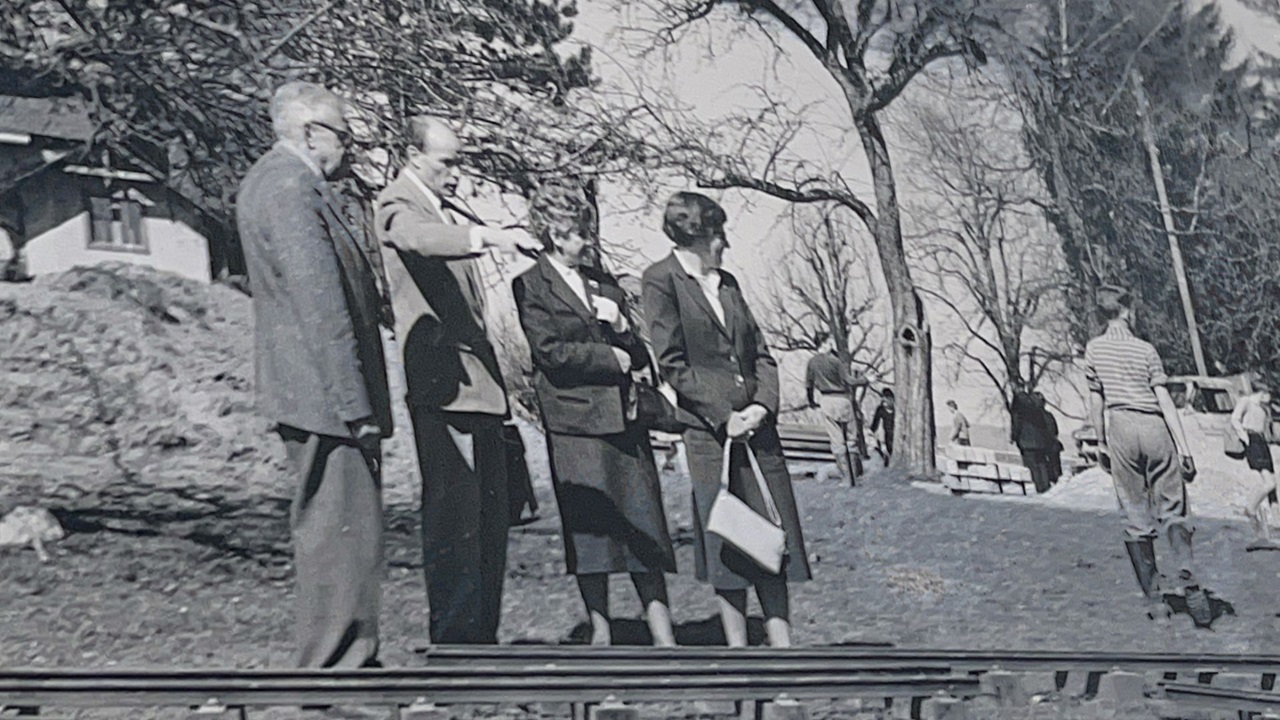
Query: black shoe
[
  {"x": 1142, "y": 554},
  {"x": 1199, "y": 607}
]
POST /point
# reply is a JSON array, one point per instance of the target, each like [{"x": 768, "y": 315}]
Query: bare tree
[
  {"x": 823, "y": 289},
  {"x": 872, "y": 50},
  {"x": 980, "y": 235}
]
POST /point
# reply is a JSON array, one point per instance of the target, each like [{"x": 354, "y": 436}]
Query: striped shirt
[{"x": 1124, "y": 369}]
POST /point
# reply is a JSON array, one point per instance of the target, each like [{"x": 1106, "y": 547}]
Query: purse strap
[{"x": 771, "y": 508}]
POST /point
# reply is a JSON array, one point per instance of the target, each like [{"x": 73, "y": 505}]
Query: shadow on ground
[{"x": 226, "y": 520}]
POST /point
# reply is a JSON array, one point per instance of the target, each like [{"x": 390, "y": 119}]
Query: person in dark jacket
[
  {"x": 709, "y": 347},
  {"x": 1035, "y": 438},
  {"x": 320, "y": 373},
  {"x": 884, "y": 420},
  {"x": 602, "y": 466}
]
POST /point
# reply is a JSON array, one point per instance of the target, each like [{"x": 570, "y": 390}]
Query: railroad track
[{"x": 585, "y": 675}]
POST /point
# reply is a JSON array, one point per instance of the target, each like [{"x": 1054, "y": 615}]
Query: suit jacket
[
  {"x": 715, "y": 369},
  {"x": 581, "y": 388},
  {"x": 317, "y": 351},
  {"x": 437, "y": 299}
]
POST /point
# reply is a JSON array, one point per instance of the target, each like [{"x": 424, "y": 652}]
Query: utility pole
[{"x": 1179, "y": 270}]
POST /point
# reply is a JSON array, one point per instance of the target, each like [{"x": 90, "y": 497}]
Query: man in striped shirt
[{"x": 1141, "y": 433}]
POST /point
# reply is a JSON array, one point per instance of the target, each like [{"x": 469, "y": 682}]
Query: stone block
[
  {"x": 783, "y": 708},
  {"x": 611, "y": 709},
  {"x": 1039, "y": 683},
  {"x": 944, "y": 708},
  {"x": 1122, "y": 689},
  {"x": 1238, "y": 681},
  {"x": 1096, "y": 710},
  {"x": 213, "y": 710},
  {"x": 1005, "y": 687},
  {"x": 422, "y": 710}
]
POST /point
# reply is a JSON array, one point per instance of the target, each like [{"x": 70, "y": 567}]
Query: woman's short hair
[
  {"x": 691, "y": 217},
  {"x": 560, "y": 204}
]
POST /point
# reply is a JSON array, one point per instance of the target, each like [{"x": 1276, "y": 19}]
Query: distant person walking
[
  {"x": 884, "y": 420},
  {"x": 320, "y": 372},
  {"x": 1140, "y": 432},
  {"x": 827, "y": 384},
  {"x": 1251, "y": 422},
  {"x": 959, "y": 425}
]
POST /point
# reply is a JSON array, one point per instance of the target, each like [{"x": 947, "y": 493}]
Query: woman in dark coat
[
  {"x": 709, "y": 347},
  {"x": 602, "y": 464}
]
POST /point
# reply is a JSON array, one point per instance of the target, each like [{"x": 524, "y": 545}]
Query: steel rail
[
  {"x": 835, "y": 657},
  {"x": 1222, "y": 698},
  {"x": 257, "y": 688}
]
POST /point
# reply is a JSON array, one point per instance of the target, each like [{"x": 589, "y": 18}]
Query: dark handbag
[
  {"x": 519, "y": 482},
  {"x": 652, "y": 409}
]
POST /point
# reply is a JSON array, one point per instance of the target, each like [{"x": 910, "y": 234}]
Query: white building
[{"x": 59, "y": 209}]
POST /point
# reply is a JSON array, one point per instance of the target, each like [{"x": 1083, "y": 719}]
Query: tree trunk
[{"x": 914, "y": 434}]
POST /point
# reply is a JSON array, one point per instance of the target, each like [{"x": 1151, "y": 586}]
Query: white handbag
[{"x": 759, "y": 537}]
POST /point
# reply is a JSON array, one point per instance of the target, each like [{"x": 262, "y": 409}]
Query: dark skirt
[
  {"x": 1258, "y": 453},
  {"x": 610, "y": 503},
  {"x": 718, "y": 563}
]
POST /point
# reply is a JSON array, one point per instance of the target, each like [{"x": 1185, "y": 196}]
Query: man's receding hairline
[{"x": 426, "y": 130}]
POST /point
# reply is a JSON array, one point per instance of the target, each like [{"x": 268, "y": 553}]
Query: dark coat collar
[
  {"x": 561, "y": 289},
  {"x": 699, "y": 297}
]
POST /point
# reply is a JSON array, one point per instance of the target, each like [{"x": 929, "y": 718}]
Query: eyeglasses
[{"x": 343, "y": 135}]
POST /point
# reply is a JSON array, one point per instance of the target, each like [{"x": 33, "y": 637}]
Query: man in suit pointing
[
  {"x": 456, "y": 396},
  {"x": 320, "y": 372}
]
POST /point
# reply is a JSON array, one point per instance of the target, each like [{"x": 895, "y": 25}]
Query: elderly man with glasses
[{"x": 320, "y": 372}]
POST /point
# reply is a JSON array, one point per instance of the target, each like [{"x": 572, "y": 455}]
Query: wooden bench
[{"x": 972, "y": 469}]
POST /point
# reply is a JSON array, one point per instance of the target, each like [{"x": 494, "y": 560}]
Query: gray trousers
[
  {"x": 1148, "y": 481},
  {"x": 465, "y": 517},
  {"x": 337, "y": 526},
  {"x": 837, "y": 414}
]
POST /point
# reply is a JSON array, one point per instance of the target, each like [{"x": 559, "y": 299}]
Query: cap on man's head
[
  {"x": 1113, "y": 298},
  {"x": 952, "y": 404}
]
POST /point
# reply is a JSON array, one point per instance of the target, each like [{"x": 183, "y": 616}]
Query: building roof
[{"x": 61, "y": 118}]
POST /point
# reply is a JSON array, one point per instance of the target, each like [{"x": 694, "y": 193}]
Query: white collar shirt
[
  {"x": 709, "y": 282},
  {"x": 573, "y": 279}
]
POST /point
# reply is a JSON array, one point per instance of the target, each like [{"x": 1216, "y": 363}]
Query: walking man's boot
[
  {"x": 1198, "y": 606},
  {"x": 1261, "y": 530},
  {"x": 1142, "y": 553}
]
